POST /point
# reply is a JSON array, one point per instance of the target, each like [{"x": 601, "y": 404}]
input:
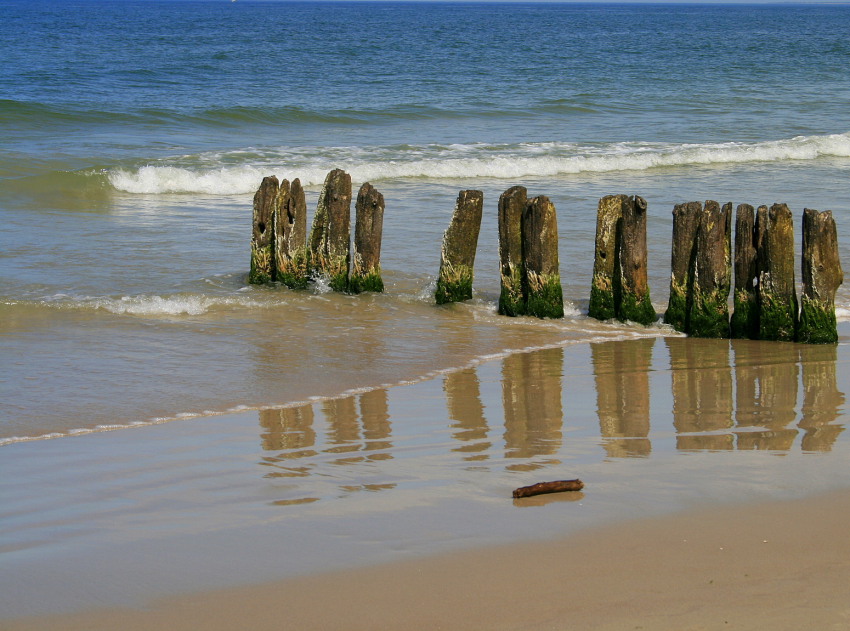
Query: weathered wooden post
[
  {"x": 685, "y": 223},
  {"x": 744, "y": 323},
  {"x": 512, "y": 203},
  {"x": 460, "y": 241},
  {"x": 604, "y": 288},
  {"x": 368, "y": 230},
  {"x": 262, "y": 236},
  {"x": 635, "y": 304},
  {"x": 542, "y": 282},
  {"x": 822, "y": 275},
  {"x": 330, "y": 237},
  {"x": 777, "y": 296},
  {"x": 709, "y": 302},
  {"x": 290, "y": 229}
]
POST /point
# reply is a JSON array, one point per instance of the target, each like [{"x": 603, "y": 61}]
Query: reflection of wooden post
[
  {"x": 330, "y": 237},
  {"x": 290, "y": 228},
  {"x": 776, "y": 291},
  {"x": 542, "y": 289},
  {"x": 822, "y": 275},
  {"x": 621, "y": 373},
  {"x": 460, "y": 241},
  {"x": 368, "y": 230},
  {"x": 712, "y": 271},
  {"x": 635, "y": 304},
  {"x": 341, "y": 416},
  {"x": 702, "y": 393},
  {"x": 375, "y": 415},
  {"x": 744, "y": 323},
  {"x": 685, "y": 223},
  {"x": 262, "y": 235},
  {"x": 511, "y": 206},
  {"x": 823, "y": 402},
  {"x": 604, "y": 289},
  {"x": 289, "y": 429},
  {"x": 463, "y": 398}
]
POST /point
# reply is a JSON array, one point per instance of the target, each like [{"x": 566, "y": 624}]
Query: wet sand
[{"x": 779, "y": 565}]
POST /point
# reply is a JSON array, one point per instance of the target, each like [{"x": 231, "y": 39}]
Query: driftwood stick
[{"x": 557, "y": 486}]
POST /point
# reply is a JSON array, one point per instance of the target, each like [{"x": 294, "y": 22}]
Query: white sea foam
[
  {"x": 206, "y": 175},
  {"x": 155, "y": 305}
]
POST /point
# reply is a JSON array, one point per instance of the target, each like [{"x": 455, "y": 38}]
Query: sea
[{"x": 147, "y": 388}]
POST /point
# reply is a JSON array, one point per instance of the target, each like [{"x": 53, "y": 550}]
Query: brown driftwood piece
[{"x": 558, "y": 486}]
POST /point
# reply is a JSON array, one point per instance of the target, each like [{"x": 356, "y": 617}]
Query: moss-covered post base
[
  {"x": 777, "y": 297},
  {"x": 262, "y": 235},
  {"x": 822, "y": 275},
  {"x": 542, "y": 282},
  {"x": 511, "y": 206},
  {"x": 709, "y": 304},
  {"x": 635, "y": 304},
  {"x": 685, "y": 223},
  {"x": 604, "y": 285},
  {"x": 291, "y": 258},
  {"x": 460, "y": 241},
  {"x": 330, "y": 237},
  {"x": 744, "y": 322},
  {"x": 368, "y": 230}
]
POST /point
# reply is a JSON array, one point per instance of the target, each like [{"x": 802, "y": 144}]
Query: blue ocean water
[{"x": 134, "y": 133}]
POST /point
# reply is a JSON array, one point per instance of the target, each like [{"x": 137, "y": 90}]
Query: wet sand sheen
[{"x": 745, "y": 568}]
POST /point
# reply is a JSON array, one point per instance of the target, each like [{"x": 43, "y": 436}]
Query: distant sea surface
[{"x": 133, "y": 135}]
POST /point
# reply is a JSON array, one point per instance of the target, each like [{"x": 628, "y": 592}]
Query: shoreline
[{"x": 733, "y": 567}]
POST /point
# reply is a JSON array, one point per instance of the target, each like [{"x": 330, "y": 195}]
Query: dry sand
[{"x": 777, "y": 566}]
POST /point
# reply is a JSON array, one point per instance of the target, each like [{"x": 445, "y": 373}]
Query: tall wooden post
[
  {"x": 542, "y": 284},
  {"x": 604, "y": 287},
  {"x": 822, "y": 275},
  {"x": 744, "y": 323},
  {"x": 330, "y": 237},
  {"x": 709, "y": 303},
  {"x": 685, "y": 224},
  {"x": 635, "y": 304},
  {"x": 368, "y": 230},
  {"x": 511, "y": 206},
  {"x": 776, "y": 291},
  {"x": 290, "y": 228},
  {"x": 460, "y": 241},
  {"x": 262, "y": 235}
]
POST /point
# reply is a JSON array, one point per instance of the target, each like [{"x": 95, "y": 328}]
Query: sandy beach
[{"x": 779, "y": 565}]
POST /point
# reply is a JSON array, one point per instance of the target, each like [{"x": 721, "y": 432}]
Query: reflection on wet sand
[
  {"x": 463, "y": 397},
  {"x": 822, "y": 401},
  {"x": 622, "y": 395},
  {"x": 531, "y": 395}
]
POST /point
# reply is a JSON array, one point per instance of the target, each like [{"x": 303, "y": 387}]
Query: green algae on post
[
  {"x": 822, "y": 275},
  {"x": 368, "y": 229},
  {"x": 685, "y": 223},
  {"x": 511, "y": 206},
  {"x": 262, "y": 241},
  {"x": 635, "y": 304},
  {"x": 712, "y": 273},
  {"x": 744, "y": 322},
  {"x": 330, "y": 237},
  {"x": 604, "y": 286},
  {"x": 542, "y": 283},
  {"x": 457, "y": 256},
  {"x": 290, "y": 226},
  {"x": 777, "y": 297}
]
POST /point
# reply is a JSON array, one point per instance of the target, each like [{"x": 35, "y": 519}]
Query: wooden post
[
  {"x": 744, "y": 323},
  {"x": 709, "y": 302},
  {"x": 330, "y": 237},
  {"x": 368, "y": 230},
  {"x": 604, "y": 287},
  {"x": 460, "y": 241},
  {"x": 542, "y": 283},
  {"x": 290, "y": 228},
  {"x": 822, "y": 275},
  {"x": 685, "y": 223},
  {"x": 512, "y": 203},
  {"x": 262, "y": 241},
  {"x": 776, "y": 291},
  {"x": 635, "y": 304}
]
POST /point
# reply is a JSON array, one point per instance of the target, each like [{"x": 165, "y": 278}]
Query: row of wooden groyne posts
[{"x": 765, "y": 304}]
